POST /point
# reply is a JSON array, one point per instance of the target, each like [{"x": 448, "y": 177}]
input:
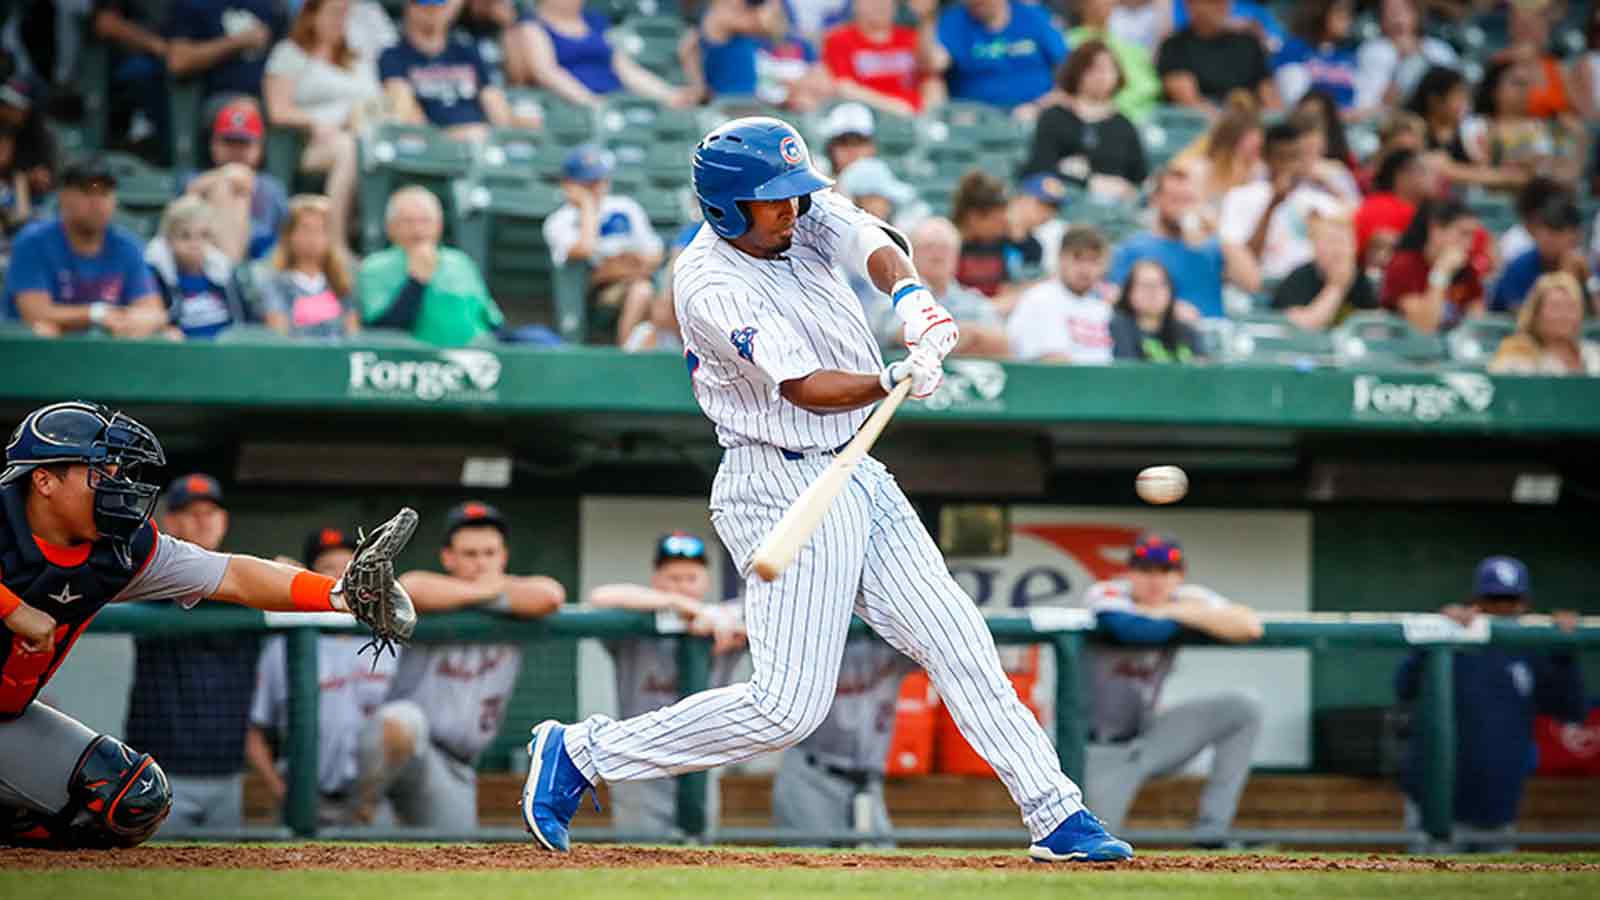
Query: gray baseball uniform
[
  {"x": 820, "y": 779},
  {"x": 1130, "y": 741},
  {"x": 39, "y": 749},
  {"x": 647, "y": 679},
  {"x": 352, "y": 688},
  {"x": 451, "y": 698}
]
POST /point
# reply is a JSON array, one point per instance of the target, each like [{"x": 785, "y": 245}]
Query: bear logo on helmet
[{"x": 789, "y": 149}]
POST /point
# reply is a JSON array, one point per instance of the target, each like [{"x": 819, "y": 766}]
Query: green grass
[{"x": 809, "y": 884}]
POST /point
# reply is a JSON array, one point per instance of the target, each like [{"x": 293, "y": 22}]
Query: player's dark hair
[{"x": 58, "y": 469}]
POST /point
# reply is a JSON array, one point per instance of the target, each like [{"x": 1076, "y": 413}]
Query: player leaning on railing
[{"x": 75, "y": 535}]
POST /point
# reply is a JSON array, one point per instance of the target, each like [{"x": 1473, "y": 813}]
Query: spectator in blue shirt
[
  {"x": 1556, "y": 228},
  {"x": 1000, "y": 52},
  {"x": 1319, "y": 54},
  {"x": 79, "y": 271},
  {"x": 224, "y": 41},
  {"x": 433, "y": 78},
  {"x": 1497, "y": 692},
  {"x": 572, "y": 56},
  {"x": 1183, "y": 238}
]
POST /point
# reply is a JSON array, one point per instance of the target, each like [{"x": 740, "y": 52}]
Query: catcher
[{"x": 75, "y": 534}]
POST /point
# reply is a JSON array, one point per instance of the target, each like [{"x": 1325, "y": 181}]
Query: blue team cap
[
  {"x": 1502, "y": 576},
  {"x": 430, "y": 2},
  {"x": 588, "y": 162},
  {"x": 1044, "y": 188},
  {"x": 680, "y": 545},
  {"x": 1156, "y": 551}
]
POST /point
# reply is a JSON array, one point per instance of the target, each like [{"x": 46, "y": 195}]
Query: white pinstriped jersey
[{"x": 751, "y": 324}]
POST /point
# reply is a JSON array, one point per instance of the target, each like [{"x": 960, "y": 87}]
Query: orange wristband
[
  {"x": 311, "y": 592},
  {"x": 8, "y": 601}
]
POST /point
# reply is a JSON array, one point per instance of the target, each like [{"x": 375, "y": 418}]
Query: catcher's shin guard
[{"x": 116, "y": 797}]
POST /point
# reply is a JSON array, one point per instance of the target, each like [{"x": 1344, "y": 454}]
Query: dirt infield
[{"x": 458, "y": 857}]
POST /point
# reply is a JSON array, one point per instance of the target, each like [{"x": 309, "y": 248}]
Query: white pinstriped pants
[{"x": 871, "y": 556}]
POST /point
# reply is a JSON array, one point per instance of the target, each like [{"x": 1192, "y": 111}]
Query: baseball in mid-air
[{"x": 1162, "y": 484}]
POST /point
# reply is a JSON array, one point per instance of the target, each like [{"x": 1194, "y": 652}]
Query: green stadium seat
[
  {"x": 501, "y": 226},
  {"x": 281, "y": 156},
  {"x": 393, "y": 156},
  {"x": 564, "y": 123},
  {"x": 1270, "y": 337},
  {"x": 1497, "y": 214},
  {"x": 519, "y": 156},
  {"x": 657, "y": 26},
  {"x": 1168, "y": 130},
  {"x": 1475, "y": 341},
  {"x": 185, "y": 99},
  {"x": 667, "y": 164},
  {"x": 677, "y": 126},
  {"x": 953, "y": 157},
  {"x": 94, "y": 76},
  {"x": 1591, "y": 331},
  {"x": 1378, "y": 338},
  {"x": 570, "y": 285},
  {"x": 668, "y": 210}
]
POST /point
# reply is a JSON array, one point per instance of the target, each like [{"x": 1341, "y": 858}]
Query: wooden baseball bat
[{"x": 783, "y": 543}]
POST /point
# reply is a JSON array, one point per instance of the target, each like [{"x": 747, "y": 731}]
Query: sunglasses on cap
[{"x": 681, "y": 546}]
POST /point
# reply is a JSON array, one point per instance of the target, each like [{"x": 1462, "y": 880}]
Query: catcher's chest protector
[{"x": 71, "y": 590}]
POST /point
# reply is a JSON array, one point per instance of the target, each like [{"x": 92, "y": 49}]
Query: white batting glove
[
  {"x": 923, "y": 367},
  {"x": 928, "y": 324}
]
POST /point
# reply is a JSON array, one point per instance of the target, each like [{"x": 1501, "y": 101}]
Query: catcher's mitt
[{"x": 369, "y": 587}]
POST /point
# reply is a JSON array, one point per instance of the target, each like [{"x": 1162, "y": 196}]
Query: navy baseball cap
[
  {"x": 680, "y": 545},
  {"x": 588, "y": 163},
  {"x": 470, "y": 514},
  {"x": 1155, "y": 551},
  {"x": 1502, "y": 576},
  {"x": 322, "y": 540},
  {"x": 1045, "y": 188},
  {"x": 193, "y": 488}
]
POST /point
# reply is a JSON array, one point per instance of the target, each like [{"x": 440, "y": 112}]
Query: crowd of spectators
[{"x": 1277, "y": 200}]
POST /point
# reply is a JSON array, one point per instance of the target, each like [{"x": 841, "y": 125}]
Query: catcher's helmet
[
  {"x": 113, "y": 445},
  {"x": 754, "y": 158}
]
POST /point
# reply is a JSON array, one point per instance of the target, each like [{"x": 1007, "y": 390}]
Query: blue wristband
[{"x": 903, "y": 292}]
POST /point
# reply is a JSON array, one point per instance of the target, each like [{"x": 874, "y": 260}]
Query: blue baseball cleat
[
  {"x": 1081, "y": 838},
  {"x": 554, "y": 787}
]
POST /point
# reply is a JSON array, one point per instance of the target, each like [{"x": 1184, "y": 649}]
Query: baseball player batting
[
  {"x": 75, "y": 535},
  {"x": 783, "y": 362}
]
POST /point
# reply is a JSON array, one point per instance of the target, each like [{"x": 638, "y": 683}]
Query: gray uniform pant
[
  {"x": 37, "y": 754},
  {"x": 1227, "y": 722},
  {"x": 1498, "y": 839},
  {"x": 430, "y": 788},
  {"x": 651, "y": 806},
  {"x": 809, "y": 798},
  {"x": 204, "y": 802}
]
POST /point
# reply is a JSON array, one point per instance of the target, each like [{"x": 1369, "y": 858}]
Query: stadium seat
[
  {"x": 1381, "y": 338},
  {"x": 502, "y": 228},
  {"x": 518, "y": 156},
  {"x": 394, "y": 155},
  {"x": 281, "y": 155},
  {"x": 1591, "y": 331},
  {"x": 666, "y": 164},
  {"x": 953, "y": 157},
  {"x": 565, "y": 123},
  {"x": 185, "y": 98},
  {"x": 143, "y": 192},
  {"x": 570, "y": 284},
  {"x": 1271, "y": 337},
  {"x": 1475, "y": 341},
  {"x": 94, "y": 76},
  {"x": 1168, "y": 130},
  {"x": 668, "y": 210},
  {"x": 1497, "y": 214}
]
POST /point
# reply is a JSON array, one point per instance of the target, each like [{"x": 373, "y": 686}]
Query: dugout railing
[{"x": 1064, "y": 630}]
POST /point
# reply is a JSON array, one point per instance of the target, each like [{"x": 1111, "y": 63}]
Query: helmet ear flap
[{"x": 805, "y": 204}]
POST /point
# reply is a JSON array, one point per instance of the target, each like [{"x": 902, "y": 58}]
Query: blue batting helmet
[
  {"x": 112, "y": 444},
  {"x": 754, "y": 158}
]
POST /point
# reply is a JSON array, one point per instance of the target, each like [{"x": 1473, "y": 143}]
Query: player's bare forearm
[
  {"x": 259, "y": 755},
  {"x": 258, "y": 583},
  {"x": 831, "y": 391},
  {"x": 887, "y": 265},
  {"x": 433, "y": 592},
  {"x": 640, "y": 598},
  {"x": 1232, "y": 623},
  {"x": 532, "y": 596}
]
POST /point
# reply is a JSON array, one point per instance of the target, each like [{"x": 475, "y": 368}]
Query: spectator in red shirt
[
  {"x": 1403, "y": 181},
  {"x": 1430, "y": 280},
  {"x": 989, "y": 263},
  {"x": 878, "y": 62}
]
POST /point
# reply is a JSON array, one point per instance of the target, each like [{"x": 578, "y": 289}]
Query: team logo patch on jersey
[
  {"x": 744, "y": 341},
  {"x": 789, "y": 149}
]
